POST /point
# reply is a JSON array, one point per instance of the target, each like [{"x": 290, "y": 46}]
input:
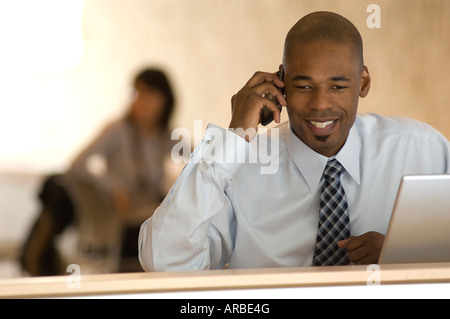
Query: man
[{"x": 336, "y": 168}]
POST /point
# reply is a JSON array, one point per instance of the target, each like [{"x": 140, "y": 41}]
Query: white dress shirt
[{"x": 221, "y": 210}]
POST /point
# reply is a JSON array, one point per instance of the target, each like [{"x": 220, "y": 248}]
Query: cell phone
[{"x": 267, "y": 115}]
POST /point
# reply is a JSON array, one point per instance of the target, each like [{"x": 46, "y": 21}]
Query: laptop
[{"x": 419, "y": 230}]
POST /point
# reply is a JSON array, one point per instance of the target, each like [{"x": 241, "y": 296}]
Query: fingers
[
  {"x": 364, "y": 249},
  {"x": 359, "y": 255},
  {"x": 343, "y": 243},
  {"x": 357, "y": 251},
  {"x": 262, "y": 90},
  {"x": 264, "y": 84},
  {"x": 261, "y": 77},
  {"x": 268, "y": 114},
  {"x": 274, "y": 94}
]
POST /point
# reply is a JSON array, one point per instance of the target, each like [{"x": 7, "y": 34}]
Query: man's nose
[{"x": 320, "y": 100}]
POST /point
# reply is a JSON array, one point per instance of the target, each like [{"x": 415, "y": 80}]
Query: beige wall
[{"x": 210, "y": 48}]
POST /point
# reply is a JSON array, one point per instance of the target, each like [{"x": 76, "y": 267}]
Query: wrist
[{"x": 224, "y": 147}]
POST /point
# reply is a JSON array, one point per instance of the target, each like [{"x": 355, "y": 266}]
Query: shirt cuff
[{"x": 223, "y": 147}]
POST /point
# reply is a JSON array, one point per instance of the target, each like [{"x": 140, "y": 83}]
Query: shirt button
[{"x": 209, "y": 141}]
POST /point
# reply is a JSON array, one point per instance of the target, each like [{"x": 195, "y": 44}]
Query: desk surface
[{"x": 134, "y": 283}]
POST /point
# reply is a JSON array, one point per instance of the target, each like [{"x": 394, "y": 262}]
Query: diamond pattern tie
[{"x": 334, "y": 220}]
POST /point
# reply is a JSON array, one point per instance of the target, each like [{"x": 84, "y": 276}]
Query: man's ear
[{"x": 365, "y": 82}]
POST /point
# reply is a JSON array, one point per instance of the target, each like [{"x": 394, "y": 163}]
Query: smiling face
[{"x": 323, "y": 82}]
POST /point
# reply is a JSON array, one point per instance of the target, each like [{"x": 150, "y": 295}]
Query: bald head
[{"x": 325, "y": 26}]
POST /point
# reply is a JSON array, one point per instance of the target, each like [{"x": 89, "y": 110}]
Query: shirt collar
[{"x": 312, "y": 164}]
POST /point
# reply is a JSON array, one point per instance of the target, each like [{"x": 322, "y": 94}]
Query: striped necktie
[{"x": 334, "y": 221}]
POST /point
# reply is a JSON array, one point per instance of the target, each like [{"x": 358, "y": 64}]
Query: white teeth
[{"x": 321, "y": 124}]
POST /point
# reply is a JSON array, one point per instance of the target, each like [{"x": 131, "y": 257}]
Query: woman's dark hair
[{"x": 155, "y": 78}]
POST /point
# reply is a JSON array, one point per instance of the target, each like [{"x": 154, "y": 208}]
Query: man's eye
[
  {"x": 304, "y": 87},
  {"x": 338, "y": 87}
]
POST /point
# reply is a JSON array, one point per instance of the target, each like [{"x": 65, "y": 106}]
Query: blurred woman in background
[{"x": 118, "y": 180}]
